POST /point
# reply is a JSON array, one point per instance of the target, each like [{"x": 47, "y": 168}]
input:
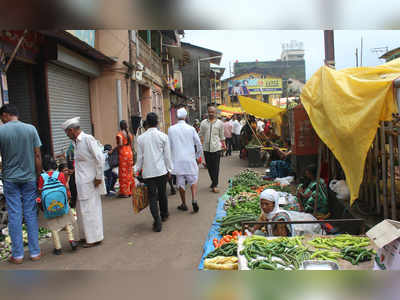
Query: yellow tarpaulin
[
  {"x": 345, "y": 108},
  {"x": 230, "y": 109},
  {"x": 226, "y": 114},
  {"x": 262, "y": 110},
  {"x": 259, "y": 109}
]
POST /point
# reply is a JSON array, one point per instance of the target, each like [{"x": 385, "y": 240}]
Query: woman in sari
[
  {"x": 125, "y": 170},
  {"x": 307, "y": 193},
  {"x": 271, "y": 212}
]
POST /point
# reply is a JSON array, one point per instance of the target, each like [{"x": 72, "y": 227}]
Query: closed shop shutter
[
  {"x": 18, "y": 90},
  {"x": 68, "y": 98}
]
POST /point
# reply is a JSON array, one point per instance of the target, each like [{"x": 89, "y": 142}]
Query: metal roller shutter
[
  {"x": 18, "y": 89},
  {"x": 68, "y": 98}
]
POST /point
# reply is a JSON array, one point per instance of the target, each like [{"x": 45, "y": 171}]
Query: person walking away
[
  {"x": 154, "y": 159},
  {"x": 236, "y": 128},
  {"x": 89, "y": 175},
  {"x": 228, "y": 136},
  {"x": 213, "y": 139},
  {"x": 62, "y": 222},
  {"x": 186, "y": 152},
  {"x": 125, "y": 169},
  {"x": 109, "y": 176},
  {"x": 22, "y": 164}
]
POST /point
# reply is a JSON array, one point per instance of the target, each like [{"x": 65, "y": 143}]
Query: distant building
[
  {"x": 392, "y": 54},
  {"x": 292, "y": 51},
  {"x": 192, "y": 55},
  {"x": 291, "y": 65}
]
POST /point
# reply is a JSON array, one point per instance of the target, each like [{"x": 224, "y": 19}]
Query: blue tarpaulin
[{"x": 213, "y": 233}]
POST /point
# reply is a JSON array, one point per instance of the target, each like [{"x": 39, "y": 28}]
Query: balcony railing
[{"x": 149, "y": 58}]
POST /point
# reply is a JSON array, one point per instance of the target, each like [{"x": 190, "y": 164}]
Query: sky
[{"x": 265, "y": 45}]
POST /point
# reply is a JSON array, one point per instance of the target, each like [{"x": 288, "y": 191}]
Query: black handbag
[{"x": 113, "y": 159}]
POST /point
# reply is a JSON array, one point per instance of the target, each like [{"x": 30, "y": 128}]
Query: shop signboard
[
  {"x": 255, "y": 86},
  {"x": 305, "y": 137}
]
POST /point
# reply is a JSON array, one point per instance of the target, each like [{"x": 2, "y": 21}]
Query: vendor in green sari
[{"x": 306, "y": 193}]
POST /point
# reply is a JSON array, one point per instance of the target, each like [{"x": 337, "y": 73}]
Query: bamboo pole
[
  {"x": 384, "y": 170},
  {"x": 370, "y": 190},
  {"x": 320, "y": 145},
  {"x": 376, "y": 169},
  {"x": 392, "y": 179}
]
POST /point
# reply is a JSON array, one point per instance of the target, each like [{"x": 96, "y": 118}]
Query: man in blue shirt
[{"x": 22, "y": 163}]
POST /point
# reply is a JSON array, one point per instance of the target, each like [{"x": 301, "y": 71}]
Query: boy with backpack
[{"x": 54, "y": 197}]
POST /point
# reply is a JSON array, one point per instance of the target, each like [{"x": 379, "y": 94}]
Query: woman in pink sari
[{"x": 126, "y": 179}]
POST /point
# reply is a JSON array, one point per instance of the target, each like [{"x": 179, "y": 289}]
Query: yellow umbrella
[{"x": 230, "y": 109}]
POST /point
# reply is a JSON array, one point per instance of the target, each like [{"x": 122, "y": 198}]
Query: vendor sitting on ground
[
  {"x": 281, "y": 168},
  {"x": 247, "y": 136},
  {"x": 306, "y": 193},
  {"x": 271, "y": 212}
]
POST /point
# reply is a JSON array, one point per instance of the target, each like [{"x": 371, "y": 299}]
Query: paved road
[{"x": 130, "y": 243}]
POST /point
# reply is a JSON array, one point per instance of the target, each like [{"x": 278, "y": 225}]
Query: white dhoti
[{"x": 89, "y": 212}]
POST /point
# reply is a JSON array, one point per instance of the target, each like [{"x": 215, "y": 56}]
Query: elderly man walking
[
  {"x": 213, "y": 139},
  {"x": 22, "y": 163},
  {"x": 154, "y": 160},
  {"x": 186, "y": 151},
  {"x": 89, "y": 176}
]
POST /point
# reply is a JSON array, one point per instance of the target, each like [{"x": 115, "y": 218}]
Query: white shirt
[
  {"x": 237, "y": 127},
  {"x": 183, "y": 140},
  {"x": 153, "y": 154},
  {"x": 89, "y": 159},
  {"x": 213, "y": 134},
  {"x": 260, "y": 126}
]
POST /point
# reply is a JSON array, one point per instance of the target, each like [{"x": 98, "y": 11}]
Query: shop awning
[
  {"x": 345, "y": 108},
  {"x": 230, "y": 109},
  {"x": 259, "y": 109}
]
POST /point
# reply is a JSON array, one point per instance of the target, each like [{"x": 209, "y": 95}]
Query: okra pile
[{"x": 276, "y": 254}]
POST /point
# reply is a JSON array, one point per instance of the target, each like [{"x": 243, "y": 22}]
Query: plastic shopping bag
[{"x": 140, "y": 198}]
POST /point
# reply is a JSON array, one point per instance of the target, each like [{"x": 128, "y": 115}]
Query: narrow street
[{"x": 130, "y": 243}]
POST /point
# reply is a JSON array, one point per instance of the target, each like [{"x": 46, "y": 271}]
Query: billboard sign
[{"x": 255, "y": 86}]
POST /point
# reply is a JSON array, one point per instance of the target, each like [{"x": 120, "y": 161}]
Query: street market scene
[{"x": 135, "y": 149}]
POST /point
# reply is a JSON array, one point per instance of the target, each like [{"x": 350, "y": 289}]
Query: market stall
[
  {"x": 354, "y": 112},
  {"x": 230, "y": 247}
]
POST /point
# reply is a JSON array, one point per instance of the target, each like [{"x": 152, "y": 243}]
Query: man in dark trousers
[
  {"x": 213, "y": 140},
  {"x": 154, "y": 159}
]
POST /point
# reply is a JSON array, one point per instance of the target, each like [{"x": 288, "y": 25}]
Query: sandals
[
  {"x": 195, "y": 207},
  {"x": 91, "y": 245},
  {"x": 182, "y": 207}
]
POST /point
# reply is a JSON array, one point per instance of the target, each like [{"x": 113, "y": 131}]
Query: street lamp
[{"x": 198, "y": 70}]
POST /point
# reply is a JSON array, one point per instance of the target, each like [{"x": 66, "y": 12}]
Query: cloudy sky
[{"x": 265, "y": 45}]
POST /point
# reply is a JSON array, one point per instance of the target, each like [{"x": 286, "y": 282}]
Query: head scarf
[
  {"x": 181, "y": 113},
  {"x": 71, "y": 122},
  {"x": 273, "y": 196}
]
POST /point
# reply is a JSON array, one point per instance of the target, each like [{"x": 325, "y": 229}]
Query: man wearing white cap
[
  {"x": 89, "y": 175},
  {"x": 186, "y": 151}
]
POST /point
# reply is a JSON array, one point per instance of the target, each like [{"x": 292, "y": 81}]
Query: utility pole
[
  {"x": 356, "y": 57},
  {"x": 329, "y": 48},
  {"x": 361, "y": 54}
]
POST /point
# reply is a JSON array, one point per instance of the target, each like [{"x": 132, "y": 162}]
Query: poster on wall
[{"x": 255, "y": 86}]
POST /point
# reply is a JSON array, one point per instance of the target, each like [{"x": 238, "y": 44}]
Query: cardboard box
[{"x": 386, "y": 235}]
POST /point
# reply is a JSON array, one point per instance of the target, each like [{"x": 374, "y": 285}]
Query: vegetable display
[
  {"x": 240, "y": 198},
  {"x": 277, "y": 254},
  {"x": 339, "y": 242},
  {"x": 221, "y": 263},
  {"x": 356, "y": 254},
  {"x": 247, "y": 178},
  {"x": 227, "y": 249},
  {"x": 229, "y": 224}
]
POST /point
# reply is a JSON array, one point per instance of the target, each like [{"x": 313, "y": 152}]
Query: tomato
[{"x": 215, "y": 243}]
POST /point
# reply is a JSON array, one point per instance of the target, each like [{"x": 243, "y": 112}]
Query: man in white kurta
[
  {"x": 89, "y": 176},
  {"x": 186, "y": 151}
]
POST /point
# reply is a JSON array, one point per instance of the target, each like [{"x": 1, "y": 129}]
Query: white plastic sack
[
  {"x": 340, "y": 188},
  {"x": 285, "y": 180}
]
